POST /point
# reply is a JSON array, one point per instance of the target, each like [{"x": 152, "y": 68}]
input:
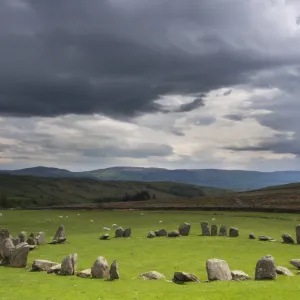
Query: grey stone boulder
[
  {"x": 233, "y": 232},
  {"x": 151, "y": 235},
  {"x": 16, "y": 241},
  {"x": 217, "y": 269},
  {"x": 265, "y": 238},
  {"x": 119, "y": 232},
  {"x": 40, "y": 238},
  {"x": 223, "y": 230},
  {"x": 287, "y": 239},
  {"x": 54, "y": 270},
  {"x": 31, "y": 239},
  {"x": 6, "y": 249},
  {"x": 152, "y": 275},
  {"x": 283, "y": 271},
  {"x": 181, "y": 277},
  {"x": 114, "y": 271},
  {"x": 238, "y": 275},
  {"x": 214, "y": 230},
  {"x": 184, "y": 229},
  {"x": 161, "y": 232},
  {"x": 100, "y": 268},
  {"x": 295, "y": 263},
  {"x": 265, "y": 268},
  {"x": 127, "y": 233},
  {"x": 104, "y": 237},
  {"x": 251, "y": 236},
  {"x": 298, "y": 234},
  {"x": 42, "y": 265},
  {"x": 22, "y": 236},
  {"x": 60, "y": 235},
  {"x": 84, "y": 273},
  {"x": 173, "y": 233},
  {"x": 4, "y": 234},
  {"x": 205, "y": 228},
  {"x": 69, "y": 265},
  {"x": 19, "y": 255}
]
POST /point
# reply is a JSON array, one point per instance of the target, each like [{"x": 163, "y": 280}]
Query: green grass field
[{"x": 139, "y": 254}]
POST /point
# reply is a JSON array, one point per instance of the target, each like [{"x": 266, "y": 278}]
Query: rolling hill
[
  {"x": 237, "y": 180},
  {"x": 28, "y": 191}
]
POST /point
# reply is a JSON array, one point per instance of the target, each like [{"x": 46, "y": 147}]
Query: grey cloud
[
  {"x": 235, "y": 117},
  {"x": 191, "y": 105},
  {"x": 227, "y": 93},
  {"x": 117, "y": 57}
]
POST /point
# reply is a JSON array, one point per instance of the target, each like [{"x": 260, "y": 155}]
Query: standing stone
[
  {"x": 40, "y": 238},
  {"x": 19, "y": 255},
  {"x": 265, "y": 268},
  {"x": 151, "y": 235},
  {"x": 287, "y": 239},
  {"x": 127, "y": 232},
  {"x": 233, "y": 232},
  {"x": 114, "y": 271},
  {"x": 173, "y": 233},
  {"x": 217, "y": 269},
  {"x": 205, "y": 229},
  {"x": 184, "y": 229},
  {"x": 161, "y": 232},
  {"x": 295, "y": 263},
  {"x": 22, "y": 236},
  {"x": 100, "y": 268},
  {"x": 119, "y": 232},
  {"x": 223, "y": 230},
  {"x": 60, "y": 235},
  {"x": 298, "y": 234},
  {"x": 214, "y": 230},
  {"x": 31, "y": 239},
  {"x": 69, "y": 265},
  {"x": 6, "y": 248},
  {"x": 251, "y": 236},
  {"x": 4, "y": 234},
  {"x": 180, "y": 277}
]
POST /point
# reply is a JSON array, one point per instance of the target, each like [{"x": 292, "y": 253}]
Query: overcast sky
[{"x": 162, "y": 83}]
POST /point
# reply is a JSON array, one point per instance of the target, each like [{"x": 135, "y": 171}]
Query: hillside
[
  {"x": 225, "y": 179},
  {"x": 25, "y": 191}
]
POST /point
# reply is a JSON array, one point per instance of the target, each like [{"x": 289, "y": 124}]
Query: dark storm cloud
[{"x": 117, "y": 57}]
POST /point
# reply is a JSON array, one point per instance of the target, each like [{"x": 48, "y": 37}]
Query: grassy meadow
[{"x": 139, "y": 254}]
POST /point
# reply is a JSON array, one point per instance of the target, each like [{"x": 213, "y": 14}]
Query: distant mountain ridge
[{"x": 239, "y": 180}]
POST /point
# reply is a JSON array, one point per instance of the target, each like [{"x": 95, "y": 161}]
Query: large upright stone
[
  {"x": 16, "y": 241},
  {"x": 184, "y": 229},
  {"x": 60, "y": 235},
  {"x": 114, "y": 271},
  {"x": 69, "y": 265},
  {"x": 40, "y": 238},
  {"x": 161, "y": 232},
  {"x": 100, "y": 268},
  {"x": 127, "y": 232},
  {"x": 223, "y": 230},
  {"x": 31, "y": 239},
  {"x": 287, "y": 239},
  {"x": 22, "y": 236},
  {"x": 6, "y": 248},
  {"x": 214, "y": 230},
  {"x": 295, "y": 263},
  {"x": 217, "y": 269},
  {"x": 119, "y": 232},
  {"x": 19, "y": 255},
  {"x": 298, "y": 234},
  {"x": 4, "y": 234},
  {"x": 233, "y": 232},
  {"x": 205, "y": 229},
  {"x": 265, "y": 268}
]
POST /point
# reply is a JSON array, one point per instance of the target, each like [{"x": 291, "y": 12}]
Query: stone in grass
[
  {"x": 161, "y": 232},
  {"x": 60, "y": 235},
  {"x": 214, "y": 230},
  {"x": 173, "y": 233},
  {"x": 152, "y": 275},
  {"x": 251, "y": 236},
  {"x": 100, "y": 268},
  {"x": 265, "y": 238},
  {"x": 42, "y": 265},
  {"x": 184, "y": 229},
  {"x": 40, "y": 238},
  {"x": 181, "y": 277},
  {"x": 223, "y": 230},
  {"x": 22, "y": 236},
  {"x": 151, "y": 235},
  {"x": 217, "y": 269},
  {"x": 84, "y": 273},
  {"x": 287, "y": 239},
  {"x": 104, "y": 236},
  {"x": 127, "y": 233},
  {"x": 119, "y": 232},
  {"x": 19, "y": 255},
  {"x": 238, "y": 275},
  {"x": 233, "y": 232},
  {"x": 295, "y": 263},
  {"x": 31, "y": 239},
  {"x": 114, "y": 271},
  {"x": 205, "y": 229},
  {"x": 265, "y": 268},
  {"x": 283, "y": 271},
  {"x": 298, "y": 234},
  {"x": 69, "y": 265},
  {"x": 55, "y": 269}
]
